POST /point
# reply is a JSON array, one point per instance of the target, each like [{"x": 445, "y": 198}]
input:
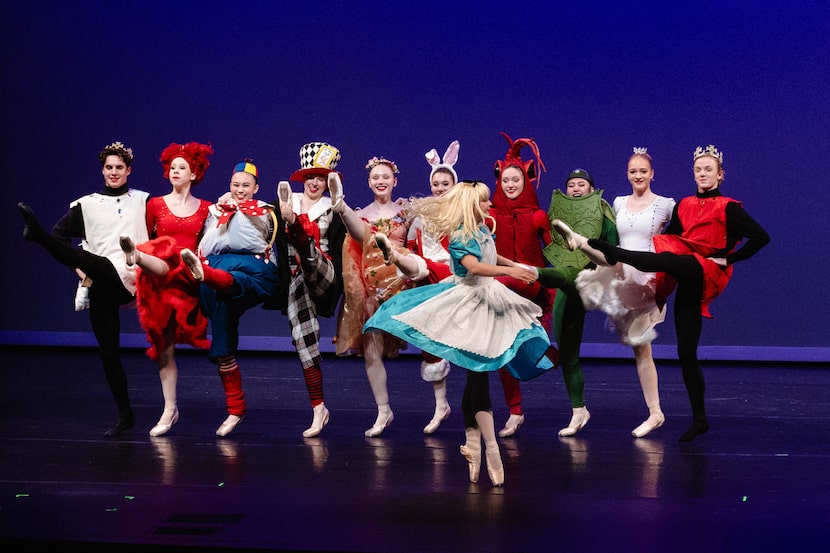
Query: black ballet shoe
[
  {"x": 31, "y": 226},
  {"x": 122, "y": 425},
  {"x": 607, "y": 250},
  {"x": 697, "y": 428}
]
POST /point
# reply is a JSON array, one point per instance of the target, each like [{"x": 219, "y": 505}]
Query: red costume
[
  {"x": 704, "y": 235},
  {"x": 159, "y": 296},
  {"x": 522, "y": 230}
]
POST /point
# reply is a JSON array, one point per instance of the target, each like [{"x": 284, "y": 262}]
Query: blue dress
[{"x": 475, "y": 322}]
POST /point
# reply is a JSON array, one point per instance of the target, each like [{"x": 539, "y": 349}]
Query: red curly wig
[{"x": 194, "y": 153}]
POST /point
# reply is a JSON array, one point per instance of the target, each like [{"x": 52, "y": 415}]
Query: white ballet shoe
[
  {"x": 81, "y": 297},
  {"x": 512, "y": 425},
  {"x": 286, "y": 205},
  {"x": 321, "y": 419},
  {"x": 571, "y": 238},
  {"x": 336, "y": 192},
  {"x": 128, "y": 247},
  {"x": 165, "y": 423},
  {"x": 229, "y": 424},
  {"x": 386, "y": 248},
  {"x": 441, "y": 414},
  {"x": 495, "y": 467},
  {"x": 653, "y": 422},
  {"x": 471, "y": 450},
  {"x": 580, "y": 418},
  {"x": 381, "y": 423},
  {"x": 194, "y": 264}
]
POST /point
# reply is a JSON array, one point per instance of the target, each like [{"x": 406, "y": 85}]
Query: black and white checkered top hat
[{"x": 317, "y": 158}]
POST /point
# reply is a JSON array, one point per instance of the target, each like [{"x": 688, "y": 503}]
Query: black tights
[
  {"x": 476, "y": 397},
  {"x": 687, "y": 318},
  {"x": 106, "y": 296}
]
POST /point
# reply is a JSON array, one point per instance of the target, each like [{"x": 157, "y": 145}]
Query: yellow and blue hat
[{"x": 246, "y": 166}]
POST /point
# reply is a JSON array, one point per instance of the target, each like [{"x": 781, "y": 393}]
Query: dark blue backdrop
[{"x": 588, "y": 80}]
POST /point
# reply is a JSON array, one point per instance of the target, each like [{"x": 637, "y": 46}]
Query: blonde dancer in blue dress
[{"x": 470, "y": 319}]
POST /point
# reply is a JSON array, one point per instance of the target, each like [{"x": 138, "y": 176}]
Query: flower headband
[{"x": 375, "y": 161}]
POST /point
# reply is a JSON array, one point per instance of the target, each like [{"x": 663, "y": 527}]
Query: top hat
[{"x": 317, "y": 158}]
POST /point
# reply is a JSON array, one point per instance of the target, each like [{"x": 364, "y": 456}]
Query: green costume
[{"x": 592, "y": 217}]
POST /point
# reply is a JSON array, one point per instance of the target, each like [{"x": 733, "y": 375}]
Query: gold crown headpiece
[
  {"x": 640, "y": 150},
  {"x": 119, "y": 146},
  {"x": 375, "y": 161},
  {"x": 709, "y": 151}
]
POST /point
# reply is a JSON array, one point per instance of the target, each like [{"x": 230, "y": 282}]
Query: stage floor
[{"x": 758, "y": 481}]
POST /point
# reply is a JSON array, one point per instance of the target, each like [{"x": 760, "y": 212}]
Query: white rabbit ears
[{"x": 450, "y": 158}]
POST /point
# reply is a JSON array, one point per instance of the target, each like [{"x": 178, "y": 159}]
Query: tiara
[
  {"x": 117, "y": 145},
  {"x": 375, "y": 161},
  {"x": 640, "y": 150},
  {"x": 709, "y": 151}
]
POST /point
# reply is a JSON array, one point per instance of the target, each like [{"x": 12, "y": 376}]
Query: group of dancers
[{"x": 474, "y": 278}]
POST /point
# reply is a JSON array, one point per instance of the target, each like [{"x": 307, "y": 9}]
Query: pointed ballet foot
[
  {"x": 121, "y": 425},
  {"x": 381, "y": 423},
  {"x": 473, "y": 461},
  {"x": 440, "y": 416},
  {"x": 386, "y": 247},
  {"x": 336, "y": 192},
  {"x": 31, "y": 227},
  {"x": 495, "y": 467},
  {"x": 652, "y": 423},
  {"x": 194, "y": 264},
  {"x": 580, "y": 418},
  {"x": 318, "y": 422},
  {"x": 697, "y": 428},
  {"x": 568, "y": 235},
  {"x": 228, "y": 425},
  {"x": 165, "y": 423},
  {"x": 512, "y": 425},
  {"x": 128, "y": 247},
  {"x": 286, "y": 205},
  {"x": 608, "y": 251}
]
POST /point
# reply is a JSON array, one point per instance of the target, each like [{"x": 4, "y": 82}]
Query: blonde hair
[{"x": 457, "y": 210}]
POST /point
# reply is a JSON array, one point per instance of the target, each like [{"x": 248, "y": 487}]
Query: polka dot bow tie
[{"x": 250, "y": 207}]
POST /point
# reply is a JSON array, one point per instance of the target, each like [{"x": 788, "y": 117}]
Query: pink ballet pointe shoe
[
  {"x": 381, "y": 423},
  {"x": 568, "y": 235},
  {"x": 229, "y": 424},
  {"x": 512, "y": 425},
  {"x": 652, "y": 423},
  {"x": 471, "y": 450},
  {"x": 320, "y": 420},
  {"x": 580, "y": 418},
  {"x": 286, "y": 205},
  {"x": 386, "y": 248},
  {"x": 128, "y": 247},
  {"x": 441, "y": 414},
  {"x": 165, "y": 423},
  {"x": 194, "y": 264},
  {"x": 336, "y": 192},
  {"x": 495, "y": 467}
]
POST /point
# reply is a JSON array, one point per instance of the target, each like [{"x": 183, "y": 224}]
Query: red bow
[{"x": 250, "y": 207}]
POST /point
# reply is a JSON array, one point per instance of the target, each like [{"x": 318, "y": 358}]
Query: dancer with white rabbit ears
[{"x": 433, "y": 251}]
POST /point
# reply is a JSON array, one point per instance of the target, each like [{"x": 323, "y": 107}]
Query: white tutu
[{"x": 626, "y": 295}]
